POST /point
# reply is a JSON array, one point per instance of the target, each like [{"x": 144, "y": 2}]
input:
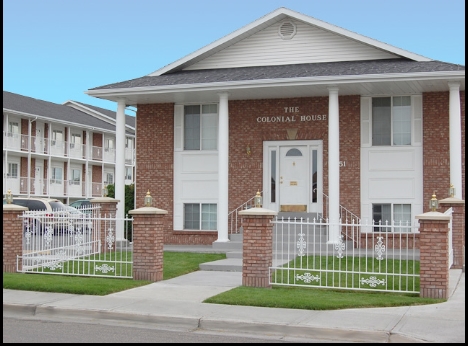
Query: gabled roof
[
  {"x": 269, "y": 19},
  {"x": 44, "y": 110},
  {"x": 102, "y": 113},
  {"x": 261, "y": 61}
]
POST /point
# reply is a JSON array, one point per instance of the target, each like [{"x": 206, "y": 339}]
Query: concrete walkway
[{"x": 177, "y": 304}]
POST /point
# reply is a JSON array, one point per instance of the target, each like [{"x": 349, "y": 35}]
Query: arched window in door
[{"x": 294, "y": 152}]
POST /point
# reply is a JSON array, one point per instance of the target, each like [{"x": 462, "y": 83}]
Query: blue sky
[{"x": 55, "y": 50}]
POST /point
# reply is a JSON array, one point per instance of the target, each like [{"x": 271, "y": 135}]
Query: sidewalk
[{"x": 176, "y": 304}]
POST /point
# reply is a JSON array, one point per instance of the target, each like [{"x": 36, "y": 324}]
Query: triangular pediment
[{"x": 286, "y": 37}]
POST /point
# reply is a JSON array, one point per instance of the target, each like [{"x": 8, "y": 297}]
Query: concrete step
[
  {"x": 225, "y": 265},
  {"x": 231, "y": 245},
  {"x": 234, "y": 254}
]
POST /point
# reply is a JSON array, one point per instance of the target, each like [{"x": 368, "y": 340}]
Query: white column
[
  {"x": 455, "y": 139},
  {"x": 120, "y": 167},
  {"x": 333, "y": 164},
  {"x": 223, "y": 168}
]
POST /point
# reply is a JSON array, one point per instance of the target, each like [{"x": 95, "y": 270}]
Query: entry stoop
[{"x": 233, "y": 261}]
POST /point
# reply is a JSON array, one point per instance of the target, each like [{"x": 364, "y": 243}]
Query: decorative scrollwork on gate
[
  {"x": 110, "y": 238},
  {"x": 379, "y": 248},
  {"x": 308, "y": 278},
  {"x": 340, "y": 247},
  {"x": 373, "y": 281},
  {"x": 301, "y": 244}
]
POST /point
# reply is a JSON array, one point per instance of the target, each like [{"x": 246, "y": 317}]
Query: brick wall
[
  {"x": 436, "y": 150},
  {"x": 12, "y": 238},
  {"x": 155, "y": 140}
]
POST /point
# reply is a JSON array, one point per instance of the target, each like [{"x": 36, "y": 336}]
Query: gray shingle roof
[
  {"x": 348, "y": 68},
  {"x": 36, "y": 107},
  {"x": 129, "y": 120}
]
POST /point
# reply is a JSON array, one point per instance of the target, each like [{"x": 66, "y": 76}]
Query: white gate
[
  {"x": 82, "y": 243},
  {"x": 360, "y": 258}
]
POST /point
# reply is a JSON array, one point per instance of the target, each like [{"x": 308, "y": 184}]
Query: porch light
[
  {"x": 9, "y": 197},
  {"x": 451, "y": 191},
  {"x": 248, "y": 151},
  {"x": 258, "y": 200},
  {"x": 148, "y": 199},
  {"x": 433, "y": 203},
  {"x": 105, "y": 191}
]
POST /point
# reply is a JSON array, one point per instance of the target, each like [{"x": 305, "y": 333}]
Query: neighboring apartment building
[
  {"x": 314, "y": 116},
  {"x": 62, "y": 151}
]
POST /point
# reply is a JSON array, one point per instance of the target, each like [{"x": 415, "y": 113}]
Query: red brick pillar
[
  {"x": 148, "y": 243},
  {"x": 12, "y": 236},
  {"x": 257, "y": 249},
  {"x": 107, "y": 225},
  {"x": 434, "y": 255},
  {"x": 458, "y": 229}
]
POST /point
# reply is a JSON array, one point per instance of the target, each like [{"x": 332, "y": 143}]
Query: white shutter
[
  {"x": 178, "y": 127},
  {"x": 366, "y": 121},
  {"x": 416, "y": 101}
]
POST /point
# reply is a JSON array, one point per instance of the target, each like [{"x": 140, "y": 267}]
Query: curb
[{"x": 181, "y": 323}]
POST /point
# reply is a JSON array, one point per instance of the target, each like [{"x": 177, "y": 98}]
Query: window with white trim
[
  {"x": 12, "y": 170},
  {"x": 391, "y": 217},
  {"x": 57, "y": 175},
  {"x": 109, "y": 144},
  {"x": 128, "y": 143},
  {"x": 75, "y": 141},
  {"x": 57, "y": 137},
  {"x": 391, "y": 121},
  {"x": 13, "y": 129},
  {"x": 128, "y": 173},
  {"x": 109, "y": 179},
  {"x": 76, "y": 177},
  {"x": 201, "y": 127},
  {"x": 200, "y": 216}
]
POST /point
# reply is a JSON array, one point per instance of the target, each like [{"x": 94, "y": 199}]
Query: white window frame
[
  {"x": 75, "y": 177},
  {"x": 109, "y": 144},
  {"x": 55, "y": 176},
  {"x": 109, "y": 178},
  {"x": 400, "y": 219},
  {"x": 56, "y": 137},
  {"x": 400, "y": 124},
  {"x": 207, "y": 127},
  {"x": 128, "y": 173},
  {"x": 207, "y": 219},
  {"x": 75, "y": 140},
  {"x": 12, "y": 170},
  {"x": 13, "y": 129}
]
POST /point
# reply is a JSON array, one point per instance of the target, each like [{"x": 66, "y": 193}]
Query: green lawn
[{"x": 180, "y": 263}]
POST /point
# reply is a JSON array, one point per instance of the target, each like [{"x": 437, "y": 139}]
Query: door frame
[{"x": 271, "y": 161}]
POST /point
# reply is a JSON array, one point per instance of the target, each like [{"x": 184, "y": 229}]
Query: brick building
[
  {"x": 317, "y": 118},
  {"x": 63, "y": 151}
]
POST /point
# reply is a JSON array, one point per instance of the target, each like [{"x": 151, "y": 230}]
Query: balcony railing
[
  {"x": 51, "y": 187},
  {"x": 46, "y": 146}
]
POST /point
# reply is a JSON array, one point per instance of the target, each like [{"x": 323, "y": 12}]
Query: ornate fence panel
[
  {"x": 349, "y": 256},
  {"x": 82, "y": 244}
]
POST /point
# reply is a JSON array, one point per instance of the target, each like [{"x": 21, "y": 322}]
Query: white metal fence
[
  {"x": 345, "y": 256},
  {"x": 83, "y": 243}
]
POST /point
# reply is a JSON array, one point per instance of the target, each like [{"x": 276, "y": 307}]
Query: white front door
[
  {"x": 39, "y": 139},
  {"x": 38, "y": 180},
  {"x": 292, "y": 177}
]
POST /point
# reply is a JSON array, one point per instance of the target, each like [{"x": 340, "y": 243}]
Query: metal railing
[
  {"x": 79, "y": 243},
  {"x": 317, "y": 254},
  {"x": 51, "y": 187},
  {"x": 47, "y": 146}
]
